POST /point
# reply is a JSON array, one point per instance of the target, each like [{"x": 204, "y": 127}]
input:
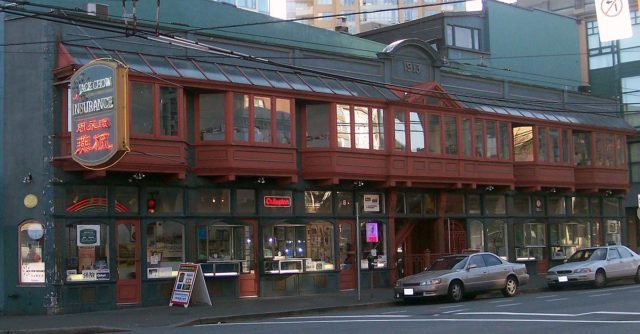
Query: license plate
[
  {"x": 562, "y": 279},
  {"x": 408, "y": 292}
]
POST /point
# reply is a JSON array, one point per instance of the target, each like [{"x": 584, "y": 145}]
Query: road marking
[
  {"x": 498, "y": 301},
  {"x": 455, "y": 311},
  {"x": 600, "y": 295},
  {"x": 393, "y": 312},
  {"x": 555, "y": 300},
  {"x": 548, "y": 296},
  {"x": 549, "y": 314},
  {"x": 452, "y": 306},
  {"x": 512, "y": 304},
  {"x": 375, "y": 316}
]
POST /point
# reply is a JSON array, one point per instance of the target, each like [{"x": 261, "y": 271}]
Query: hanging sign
[
  {"x": 98, "y": 113},
  {"x": 189, "y": 286},
  {"x": 614, "y": 19}
]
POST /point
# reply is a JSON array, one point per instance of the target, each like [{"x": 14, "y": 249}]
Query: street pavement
[{"x": 222, "y": 310}]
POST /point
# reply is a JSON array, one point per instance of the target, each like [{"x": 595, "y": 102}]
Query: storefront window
[
  {"x": 495, "y": 204},
  {"x": 373, "y": 245},
  {"x": 126, "y": 200},
  {"x": 318, "y": 202},
  {"x": 521, "y": 205},
  {"x": 613, "y": 232},
  {"x": 473, "y": 204},
  {"x": 401, "y": 203},
  {"x": 414, "y": 203},
  {"x": 579, "y": 206},
  {"x": 31, "y": 242},
  {"x": 87, "y": 252},
  {"x": 165, "y": 248},
  {"x": 565, "y": 238},
  {"x": 212, "y": 122},
  {"x": 317, "y": 125},
  {"x": 430, "y": 204},
  {"x": 345, "y": 202},
  {"x": 476, "y": 235},
  {"x": 529, "y": 241},
  {"x": 223, "y": 242},
  {"x": 556, "y": 206},
  {"x": 246, "y": 201},
  {"x": 371, "y": 203},
  {"x": 610, "y": 207},
  {"x": 211, "y": 201},
  {"x": 84, "y": 199},
  {"x": 164, "y": 200},
  {"x": 496, "y": 242}
]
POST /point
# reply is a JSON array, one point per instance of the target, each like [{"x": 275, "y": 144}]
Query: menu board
[{"x": 189, "y": 286}]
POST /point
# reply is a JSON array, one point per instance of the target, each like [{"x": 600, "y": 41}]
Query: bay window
[
  {"x": 155, "y": 110},
  {"x": 261, "y": 119}
]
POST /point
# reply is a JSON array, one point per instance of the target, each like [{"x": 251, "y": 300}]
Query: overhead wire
[{"x": 297, "y": 68}]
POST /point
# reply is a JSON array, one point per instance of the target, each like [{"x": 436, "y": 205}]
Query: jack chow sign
[{"x": 99, "y": 131}]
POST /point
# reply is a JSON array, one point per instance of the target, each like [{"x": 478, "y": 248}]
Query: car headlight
[
  {"x": 583, "y": 270},
  {"x": 398, "y": 283},
  {"x": 431, "y": 282}
]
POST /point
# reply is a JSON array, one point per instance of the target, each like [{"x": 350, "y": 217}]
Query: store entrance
[
  {"x": 347, "y": 255},
  {"x": 128, "y": 262}
]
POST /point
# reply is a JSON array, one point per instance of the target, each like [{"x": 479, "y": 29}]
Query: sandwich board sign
[{"x": 189, "y": 286}]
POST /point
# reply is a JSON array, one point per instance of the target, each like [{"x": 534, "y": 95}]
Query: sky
[{"x": 279, "y": 7}]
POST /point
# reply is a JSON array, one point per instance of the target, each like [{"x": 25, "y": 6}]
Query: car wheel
[
  {"x": 637, "y": 278},
  {"x": 456, "y": 291},
  {"x": 601, "y": 279},
  {"x": 510, "y": 287}
]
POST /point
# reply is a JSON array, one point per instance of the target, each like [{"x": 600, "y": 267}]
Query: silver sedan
[
  {"x": 597, "y": 266},
  {"x": 457, "y": 275}
]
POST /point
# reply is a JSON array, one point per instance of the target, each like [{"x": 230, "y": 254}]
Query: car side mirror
[{"x": 471, "y": 266}]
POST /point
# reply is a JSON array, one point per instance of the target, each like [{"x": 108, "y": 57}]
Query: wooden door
[
  {"x": 128, "y": 262},
  {"x": 248, "y": 280},
  {"x": 347, "y": 255}
]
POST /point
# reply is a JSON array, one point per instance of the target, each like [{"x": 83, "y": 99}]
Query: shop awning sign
[{"x": 98, "y": 114}]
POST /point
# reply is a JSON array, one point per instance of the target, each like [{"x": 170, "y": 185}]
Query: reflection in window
[
  {"x": 521, "y": 205},
  {"x": 492, "y": 140},
  {"x": 212, "y": 117},
  {"x": 466, "y": 137},
  {"x": 417, "y": 131},
  {"x": 582, "y": 148},
  {"x": 241, "y": 117},
  {"x": 542, "y": 144},
  {"x": 377, "y": 120},
  {"x": 165, "y": 248},
  {"x": 87, "y": 252},
  {"x": 579, "y": 205},
  {"x": 473, "y": 204},
  {"x": 556, "y": 206},
  {"x": 283, "y": 121},
  {"x": 451, "y": 135},
  {"x": 479, "y": 138},
  {"x": 435, "y": 135},
  {"x": 317, "y": 125},
  {"x": 211, "y": 201},
  {"x": 476, "y": 235},
  {"x": 272, "y": 209},
  {"x": 84, "y": 199},
  {"x": 169, "y": 111},
  {"x": 505, "y": 149},
  {"x": 31, "y": 250},
  {"x": 246, "y": 201},
  {"x": 374, "y": 244},
  {"x": 523, "y": 143},
  {"x": 554, "y": 141},
  {"x": 566, "y": 238},
  {"x": 343, "y": 119},
  {"x": 400, "y": 139},
  {"x": 317, "y": 202},
  {"x": 361, "y": 119},
  {"x": 141, "y": 108},
  {"x": 530, "y": 241},
  {"x": 126, "y": 199},
  {"x": 495, "y": 204},
  {"x": 454, "y": 204},
  {"x": 220, "y": 241},
  {"x": 164, "y": 200},
  {"x": 262, "y": 119},
  {"x": 345, "y": 202},
  {"x": 496, "y": 242}
]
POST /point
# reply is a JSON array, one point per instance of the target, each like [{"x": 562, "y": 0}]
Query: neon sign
[
  {"x": 99, "y": 131},
  {"x": 277, "y": 201}
]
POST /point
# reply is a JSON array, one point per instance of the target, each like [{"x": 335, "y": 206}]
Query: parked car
[
  {"x": 466, "y": 274},
  {"x": 596, "y": 266}
]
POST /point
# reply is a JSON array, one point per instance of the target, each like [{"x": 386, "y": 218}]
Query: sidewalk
[{"x": 223, "y": 310}]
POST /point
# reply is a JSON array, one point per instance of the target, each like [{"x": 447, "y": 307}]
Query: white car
[{"x": 597, "y": 266}]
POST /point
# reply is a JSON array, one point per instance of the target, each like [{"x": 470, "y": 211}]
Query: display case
[
  {"x": 221, "y": 268},
  {"x": 284, "y": 266}
]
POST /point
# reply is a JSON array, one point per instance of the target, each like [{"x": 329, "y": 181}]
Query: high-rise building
[
  {"x": 359, "y": 16},
  {"x": 259, "y": 6}
]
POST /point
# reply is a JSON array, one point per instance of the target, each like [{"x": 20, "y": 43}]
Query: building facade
[
  {"x": 282, "y": 167},
  {"x": 613, "y": 72}
]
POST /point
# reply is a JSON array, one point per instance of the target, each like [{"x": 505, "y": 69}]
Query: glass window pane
[
  {"x": 417, "y": 131},
  {"x": 126, "y": 200},
  {"x": 521, "y": 205},
  {"x": 92, "y": 257},
  {"x": 160, "y": 66},
  {"x": 169, "y": 111},
  {"x": 400, "y": 138},
  {"x": 84, "y": 199},
  {"x": 377, "y": 120},
  {"x": 479, "y": 138},
  {"x": 213, "y": 72},
  {"x": 255, "y": 77},
  {"x": 234, "y": 74},
  {"x": 451, "y": 135},
  {"x": 219, "y": 242},
  {"x": 283, "y": 121},
  {"x": 476, "y": 235},
  {"x": 241, "y": 117},
  {"x": 345, "y": 202},
  {"x": 466, "y": 137},
  {"x": 430, "y": 204},
  {"x": 565, "y": 146},
  {"x": 141, "y": 108},
  {"x": 317, "y": 125},
  {"x": 212, "y": 122},
  {"x": 473, "y": 204},
  {"x": 414, "y": 203},
  {"x": 492, "y": 140},
  {"x": 277, "y": 209},
  {"x": 262, "y": 119},
  {"x": 246, "y": 201},
  {"x": 435, "y": 135},
  {"x": 610, "y": 207},
  {"x": 582, "y": 148},
  {"x": 210, "y": 201},
  {"x": 361, "y": 119},
  {"x": 343, "y": 119},
  {"x": 523, "y": 143},
  {"x": 505, "y": 149},
  {"x": 164, "y": 200},
  {"x": 579, "y": 205},
  {"x": 318, "y": 202},
  {"x": 31, "y": 250},
  {"x": 377, "y": 250},
  {"x": 495, "y": 204},
  {"x": 400, "y": 203},
  {"x": 165, "y": 247},
  {"x": 455, "y": 204},
  {"x": 463, "y": 37},
  {"x": 187, "y": 69},
  {"x": 554, "y": 140},
  {"x": 275, "y": 79},
  {"x": 556, "y": 206}
]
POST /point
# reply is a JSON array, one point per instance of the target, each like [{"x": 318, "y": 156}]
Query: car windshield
[
  {"x": 449, "y": 262},
  {"x": 590, "y": 254}
]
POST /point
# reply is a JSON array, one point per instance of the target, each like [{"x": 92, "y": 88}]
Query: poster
[
  {"x": 371, "y": 203},
  {"x": 189, "y": 286},
  {"x": 372, "y": 232}
]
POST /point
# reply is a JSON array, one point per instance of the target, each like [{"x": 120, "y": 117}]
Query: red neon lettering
[
  {"x": 277, "y": 201},
  {"x": 100, "y": 143},
  {"x": 103, "y": 123}
]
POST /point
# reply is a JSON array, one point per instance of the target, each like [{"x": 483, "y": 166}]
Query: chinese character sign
[{"x": 99, "y": 134}]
